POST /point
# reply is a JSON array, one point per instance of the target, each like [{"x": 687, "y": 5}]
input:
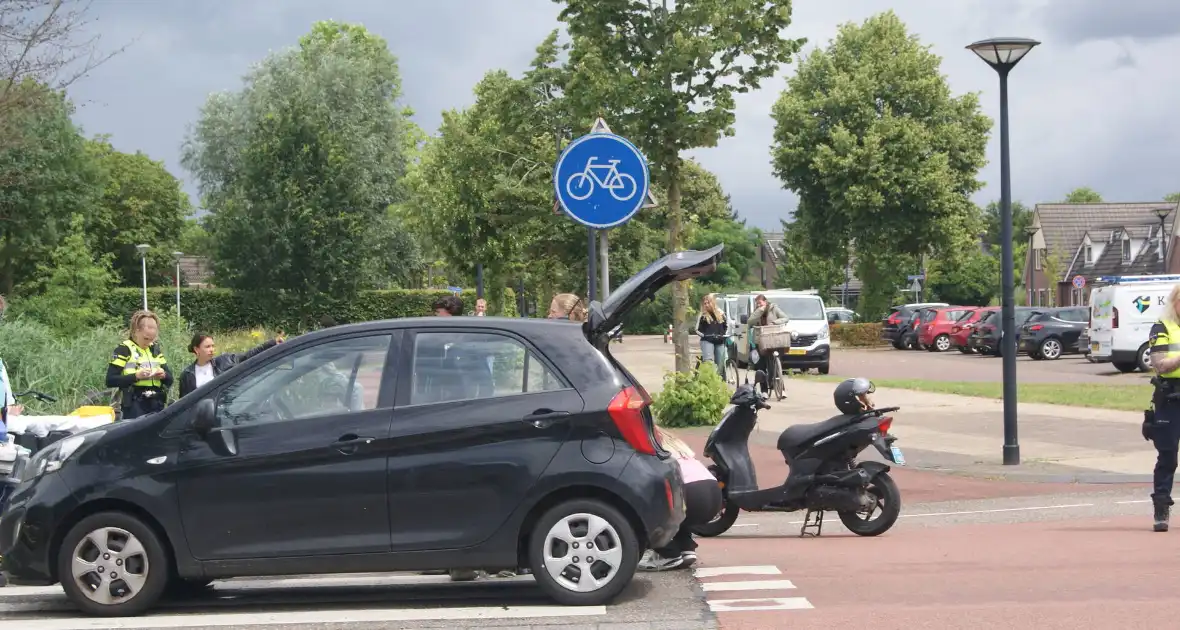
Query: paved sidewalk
[{"x": 957, "y": 433}]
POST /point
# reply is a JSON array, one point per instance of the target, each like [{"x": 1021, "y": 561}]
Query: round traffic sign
[
  {"x": 601, "y": 180},
  {"x": 1079, "y": 282}
]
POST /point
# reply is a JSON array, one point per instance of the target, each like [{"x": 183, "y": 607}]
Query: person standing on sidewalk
[{"x": 1163, "y": 427}]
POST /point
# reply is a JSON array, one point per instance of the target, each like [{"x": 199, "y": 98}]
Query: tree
[
  {"x": 298, "y": 167},
  {"x": 42, "y": 50},
  {"x": 1021, "y": 218},
  {"x": 76, "y": 282},
  {"x": 142, "y": 203},
  {"x": 46, "y": 176},
  {"x": 803, "y": 267},
  {"x": 1172, "y": 197},
  {"x": 968, "y": 280},
  {"x": 667, "y": 79},
  {"x": 195, "y": 240},
  {"x": 1083, "y": 195},
  {"x": 396, "y": 260},
  {"x": 880, "y": 153}
]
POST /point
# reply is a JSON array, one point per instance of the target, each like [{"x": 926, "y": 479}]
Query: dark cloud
[{"x": 1077, "y": 21}]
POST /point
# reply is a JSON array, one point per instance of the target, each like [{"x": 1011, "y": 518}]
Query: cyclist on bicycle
[{"x": 765, "y": 313}]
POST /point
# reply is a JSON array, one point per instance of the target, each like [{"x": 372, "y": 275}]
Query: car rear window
[
  {"x": 964, "y": 315},
  {"x": 989, "y": 317}
]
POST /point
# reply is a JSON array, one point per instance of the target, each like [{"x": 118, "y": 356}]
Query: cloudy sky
[{"x": 1091, "y": 106}]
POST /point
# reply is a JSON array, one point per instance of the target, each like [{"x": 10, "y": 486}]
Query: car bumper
[
  {"x": 29, "y": 526},
  {"x": 889, "y": 334},
  {"x": 656, "y": 481},
  {"x": 960, "y": 341},
  {"x": 985, "y": 344},
  {"x": 817, "y": 355}
]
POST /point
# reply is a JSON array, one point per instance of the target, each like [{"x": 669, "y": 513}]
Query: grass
[
  {"x": 70, "y": 368},
  {"x": 1123, "y": 397}
]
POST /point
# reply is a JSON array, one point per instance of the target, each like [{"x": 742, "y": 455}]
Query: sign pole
[
  {"x": 592, "y": 260},
  {"x": 604, "y": 253}
]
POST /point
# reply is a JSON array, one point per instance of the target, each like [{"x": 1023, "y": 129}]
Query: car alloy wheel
[
  {"x": 583, "y": 552},
  {"x": 942, "y": 343},
  {"x": 111, "y": 564},
  {"x": 1051, "y": 349}
]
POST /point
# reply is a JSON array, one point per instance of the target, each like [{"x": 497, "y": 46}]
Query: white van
[
  {"x": 809, "y": 320},
  {"x": 1121, "y": 315}
]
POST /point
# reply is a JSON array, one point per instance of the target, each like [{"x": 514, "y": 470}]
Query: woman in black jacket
[{"x": 207, "y": 366}]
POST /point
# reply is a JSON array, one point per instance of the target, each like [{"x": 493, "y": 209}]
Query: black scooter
[{"x": 824, "y": 475}]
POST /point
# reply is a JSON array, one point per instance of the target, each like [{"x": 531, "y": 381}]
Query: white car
[{"x": 811, "y": 347}]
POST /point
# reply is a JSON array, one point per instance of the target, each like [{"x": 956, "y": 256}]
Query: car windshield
[{"x": 800, "y": 307}]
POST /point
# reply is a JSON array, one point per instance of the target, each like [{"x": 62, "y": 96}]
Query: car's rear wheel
[
  {"x": 942, "y": 343},
  {"x": 112, "y": 564},
  {"x": 583, "y": 552},
  {"x": 1050, "y": 349}
]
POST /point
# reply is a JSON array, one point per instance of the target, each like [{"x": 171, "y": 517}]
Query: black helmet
[{"x": 853, "y": 395}]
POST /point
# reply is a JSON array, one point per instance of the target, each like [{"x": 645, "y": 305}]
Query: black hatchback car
[
  {"x": 1052, "y": 332},
  {"x": 402, "y": 445},
  {"x": 986, "y": 335}
]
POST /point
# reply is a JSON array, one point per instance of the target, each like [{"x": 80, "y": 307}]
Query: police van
[{"x": 1121, "y": 315}]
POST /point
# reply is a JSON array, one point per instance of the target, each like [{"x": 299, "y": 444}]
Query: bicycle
[
  {"x": 614, "y": 180},
  {"x": 732, "y": 376},
  {"x": 771, "y": 341}
]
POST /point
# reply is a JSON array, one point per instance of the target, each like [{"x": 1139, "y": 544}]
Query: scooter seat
[{"x": 799, "y": 434}]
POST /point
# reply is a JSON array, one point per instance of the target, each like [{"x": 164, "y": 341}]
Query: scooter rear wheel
[
  {"x": 888, "y": 504},
  {"x": 720, "y": 523}
]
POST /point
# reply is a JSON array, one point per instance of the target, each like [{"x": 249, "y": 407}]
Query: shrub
[
  {"x": 225, "y": 309},
  {"x": 691, "y": 399},
  {"x": 858, "y": 335},
  {"x": 71, "y": 367}
]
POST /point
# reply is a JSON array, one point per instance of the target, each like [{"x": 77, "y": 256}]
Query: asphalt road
[{"x": 887, "y": 363}]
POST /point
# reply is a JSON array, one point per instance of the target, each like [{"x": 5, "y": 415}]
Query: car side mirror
[
  {"x": 745, "y": 319},
  {"x": 208, "y": 428}
]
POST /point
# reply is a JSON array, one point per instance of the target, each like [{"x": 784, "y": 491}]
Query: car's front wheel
[
  {"x": 112, "y": 564},
  {"x": 583, "y": 552}
]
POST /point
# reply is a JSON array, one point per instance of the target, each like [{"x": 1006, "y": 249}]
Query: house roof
[
  {"x": 1111, "y": 262},
  {"x": 1064, "y": 225}
]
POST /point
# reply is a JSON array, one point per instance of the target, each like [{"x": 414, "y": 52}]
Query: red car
[
  {"x": 962, "y": 328},
  {"x": 934, "y": 332}
]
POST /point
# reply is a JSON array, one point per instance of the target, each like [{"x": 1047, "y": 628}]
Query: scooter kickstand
[{"x": 815, "y": 524}]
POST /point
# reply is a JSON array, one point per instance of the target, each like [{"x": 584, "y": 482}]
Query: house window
[
  {"x": 1042, "y": 297},
  {"x": 1126, "y": 249},
  {"x": 1089, "y": 253},
  {"x": 1037, "y": 256}
]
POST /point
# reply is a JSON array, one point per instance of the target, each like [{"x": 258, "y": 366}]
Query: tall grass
[{"x": 71, "y": 368}]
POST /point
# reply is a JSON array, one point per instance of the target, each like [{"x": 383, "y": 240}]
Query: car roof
[{"x": 524, "y": 326}]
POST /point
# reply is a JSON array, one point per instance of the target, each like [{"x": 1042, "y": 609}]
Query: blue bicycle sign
[
  {"x": 581, "y": 185},
  {"x": 601, "y": 180}
]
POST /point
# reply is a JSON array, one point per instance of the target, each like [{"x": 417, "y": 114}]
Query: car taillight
[
  {"x": 626, "y": 410},
  {"x": 1035, "y": 327},
  {"x": 668, "y": 494},
  {"x": 1114, "y": 322},
  {"x": 885, "y": 423},
  {"x": 894, "y": 318}
]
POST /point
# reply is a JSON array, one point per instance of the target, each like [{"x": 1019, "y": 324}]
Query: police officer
[
  {"x": 139, "y": 370},
  {"x": 1162, "y": 424}
]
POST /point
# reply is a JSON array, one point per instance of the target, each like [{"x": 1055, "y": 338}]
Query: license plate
[
  {"x": 796, "y": 351},
  {"x": 898, "y": 458},
  {"x": 1094, "y": 346}
]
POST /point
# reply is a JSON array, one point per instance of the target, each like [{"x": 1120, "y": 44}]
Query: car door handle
[
  {"x": 348, "y": 443},
  {"x": 544, "y": 418}
]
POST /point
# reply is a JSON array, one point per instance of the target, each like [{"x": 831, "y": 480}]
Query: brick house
[{"x": 1094, "y": 240}]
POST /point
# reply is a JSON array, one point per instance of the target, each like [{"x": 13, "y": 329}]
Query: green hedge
[
  {"x": 858, "y": 335},
  {"x": 225, "y": 309}
]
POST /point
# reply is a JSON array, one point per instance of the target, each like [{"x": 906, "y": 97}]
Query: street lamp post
[
  {"x": 177, "y": 256},
  {"x": 143, "y": 249},
  {"x": 1163, "y": 213},
  {"x": 1032, "y": 271},
  {"x": 1002, "y": 54}
]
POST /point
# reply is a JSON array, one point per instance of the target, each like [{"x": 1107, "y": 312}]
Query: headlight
[
  {"x": 824, "y": 332},
  {"x": 54, "y": 456}
]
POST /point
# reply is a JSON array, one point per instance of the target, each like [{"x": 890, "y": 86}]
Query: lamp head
[
  {"x": 142, "y": 249},
  {"x": 1003, "y": 53}
]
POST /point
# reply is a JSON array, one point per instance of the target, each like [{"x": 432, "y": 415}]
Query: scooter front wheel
[{"x": 720, "y": 523}]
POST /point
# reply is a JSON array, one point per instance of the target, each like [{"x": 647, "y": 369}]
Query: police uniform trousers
[{"x": 1166, "y": 437}]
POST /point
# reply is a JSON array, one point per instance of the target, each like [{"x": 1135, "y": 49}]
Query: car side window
[
  {"x": 332, "y": 378},
  {"x": 1075, "y": 315},
  {"x": 468, "y": 366}
]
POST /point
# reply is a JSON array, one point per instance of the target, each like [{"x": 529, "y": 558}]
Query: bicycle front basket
[{"x": 773, "y": 337}]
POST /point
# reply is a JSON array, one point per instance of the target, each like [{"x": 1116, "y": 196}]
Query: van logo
[{"x": 1143, "y": 303}]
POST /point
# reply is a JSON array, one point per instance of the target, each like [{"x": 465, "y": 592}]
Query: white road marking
[
  {"x": 30, "y": 591},
  {"x": 1135, "y": 501},
  {"x": 763, "y": 569},
  {"x": 743, "y": 605},
  {"x": 309, "y": 617},
  {"x": 744, "y": 525},
  {"x": 755, "y": 585}
]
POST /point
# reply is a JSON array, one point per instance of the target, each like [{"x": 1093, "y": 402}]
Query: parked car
[
  {"x": 840, "y": 315},
  {"x": 934, "y": 332},
  {"x": 1121, "y": 316},
  {"x": 812, "y": 346},
  {"x": 896, "y": 326},
  {"x": 985, "y": 336},
  {"x": 909, "y": 339},
  {"x": 403, "y": 445},
  {"x": 961, "y": 330},
  {"x": 1052, "y": 332}
]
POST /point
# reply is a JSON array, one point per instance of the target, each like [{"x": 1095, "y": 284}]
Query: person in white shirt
[{"x": 209, "y": 364}]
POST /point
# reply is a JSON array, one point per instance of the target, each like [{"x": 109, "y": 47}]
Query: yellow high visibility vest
[
  {"x": 1166, "y": 342},
  {"x": 140, "y": 358}
]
